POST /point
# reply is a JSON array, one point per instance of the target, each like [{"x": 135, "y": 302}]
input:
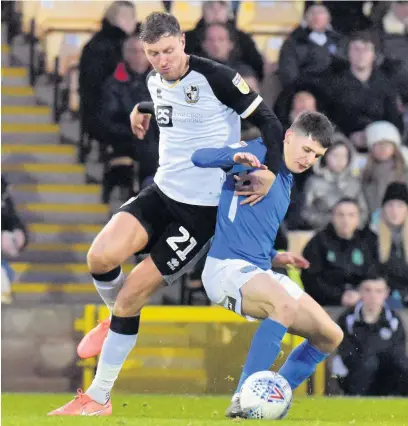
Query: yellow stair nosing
[
  {"x": 54, "y": 247},
  {"x": 60, "y": 188},
  {"x": 30, "y": 128},
  {"x": 26, "y": 110},
  {"x": 58, "y": 228},
  {"x": 63, "y": 268},
  {"x": 17, "y": 91},
  {"x": 13, "y": 72},
  {"x": 43, "y": 288},
  {"x": 64, "y": 208},
  {"x": 40, "y": 149},
  {"x": 44, "y": 168}
]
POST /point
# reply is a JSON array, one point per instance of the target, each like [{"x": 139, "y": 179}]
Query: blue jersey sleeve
[{"x": 223, "y": 157}]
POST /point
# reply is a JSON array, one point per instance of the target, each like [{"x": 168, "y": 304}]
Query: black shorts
[{"x": 179, "y": 234}]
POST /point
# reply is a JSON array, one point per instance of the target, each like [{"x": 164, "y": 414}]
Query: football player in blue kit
[{"x": 238, "y": 274}]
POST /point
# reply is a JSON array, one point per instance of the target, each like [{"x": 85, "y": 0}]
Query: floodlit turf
[{"x": 156, "y": 410}]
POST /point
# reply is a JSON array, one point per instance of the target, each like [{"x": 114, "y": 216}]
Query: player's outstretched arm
[{"x": 229, "y": 156}]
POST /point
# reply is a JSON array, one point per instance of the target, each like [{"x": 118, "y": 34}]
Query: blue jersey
[{"x": 246, "y": 232}]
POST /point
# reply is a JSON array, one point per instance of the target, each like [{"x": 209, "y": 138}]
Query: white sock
[
  {"x": 109, "y": 288},
  {"x": 115, "y": 350}
]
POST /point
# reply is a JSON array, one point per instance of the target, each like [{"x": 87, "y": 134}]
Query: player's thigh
[
  {"x": 246, "y": 289},
  {"x": 268, "y": 294},
  {"x": 315, "y": 324},
  {"x": 129, "y": 230},
  {"x": 178, "y": 249}
]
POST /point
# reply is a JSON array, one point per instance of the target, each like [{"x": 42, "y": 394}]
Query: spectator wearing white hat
[{"x": 386, "y": 162}]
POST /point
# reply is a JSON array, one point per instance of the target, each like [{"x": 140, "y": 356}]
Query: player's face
[
  {"x": 167, "y": 56},
  {"x": 373, "y": 293},
  {"x": 301, "y": 152}
]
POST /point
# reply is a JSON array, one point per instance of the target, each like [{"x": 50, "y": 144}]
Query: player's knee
[
  {"x": 101, "y": 260},
  {"x": 336, "y": 335}
]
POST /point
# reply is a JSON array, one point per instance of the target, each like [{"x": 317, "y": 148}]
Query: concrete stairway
[{"x": 62, "y": 212}]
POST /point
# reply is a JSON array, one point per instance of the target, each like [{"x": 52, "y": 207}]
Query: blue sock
[
  {"x": 264, "y": 349},
  {"x": 301, "y": 363}
]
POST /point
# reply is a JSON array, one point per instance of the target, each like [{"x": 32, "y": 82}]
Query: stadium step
[
  {"x": 30, "y": 173},
  {"x": 30, "y": 133},
  {"x": 17, "y": 95},
  {"x": 64, "y": 213},
  {"x": 54, "y": 273},
  {"x": 14, "y": 76},
  {"x": 5, "y": 50},
  {"x": 56, "y": 193},
  {"x": 55, "y": 252},
  {"x": 28, "y": 114},
  {"x": 57, "y": 233},
  {"x": 31, "y": 153}
]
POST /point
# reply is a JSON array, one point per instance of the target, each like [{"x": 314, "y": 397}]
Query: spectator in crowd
[
  {"x": 309, "y": 51},
  {"x": 349, "y": 17},
  {"x": 393, "y": 37},
  {"x": 385, "y": 163},
  {"x": 99, "y": 59},
  {"x": 339, "y": 256},
  {"x": 392, "y": 232},
  {"x": 219, "y": 12},
  {"x": 296, "y": 99},
  {"x": 249, "y": 131},
  {"x": 351, "y": 93},
  {"x": 120, "y": 93},
  {"x": 219, "y": 45},
  {"x": 13, "y": 239},
  {"x": 394, "y": 31},
  {"x": 371, "y": 359},
  {"x": 333, "y": 179}
]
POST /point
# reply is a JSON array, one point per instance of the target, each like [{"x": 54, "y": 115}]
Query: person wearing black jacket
[
  {"x": 372, "y": 358},
  {"x": 310, "y": 50},
  {"x": 120, "y": 93},
  {"x": 351, "y": 91},
  {"x": 99, "y": 59},
  {"x": 339, "y": 256},
  {"x": 218, "y": 12}
]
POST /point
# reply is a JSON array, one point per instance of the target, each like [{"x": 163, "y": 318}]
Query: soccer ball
[{"x": 265, "y": 395}]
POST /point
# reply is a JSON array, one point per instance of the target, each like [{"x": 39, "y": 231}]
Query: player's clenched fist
[
  {"x": 248, "y": 159},
  {"x": 139, "y": 122}
]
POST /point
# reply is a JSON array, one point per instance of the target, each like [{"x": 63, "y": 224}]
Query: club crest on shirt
[
  {"x": 240, "y": 84},
  {"x": 192, "y": 94}
]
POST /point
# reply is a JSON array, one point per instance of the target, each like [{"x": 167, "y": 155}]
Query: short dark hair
[
  {"x": 347, "y": 200},
  {"x": 316, "y": 125},
  {"x": 363, "y": 36},
  {"x": 157, "y": 25},
  {"x": 374, "y": 273}
]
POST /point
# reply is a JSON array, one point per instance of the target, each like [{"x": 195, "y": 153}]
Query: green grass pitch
[{"x": 159, "y": 410}]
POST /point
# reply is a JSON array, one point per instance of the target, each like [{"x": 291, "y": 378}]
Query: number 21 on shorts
[{"x": 183, "y": 238}]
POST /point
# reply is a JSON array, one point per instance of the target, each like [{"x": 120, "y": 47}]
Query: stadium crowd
[{"x": 342, "y": 60}]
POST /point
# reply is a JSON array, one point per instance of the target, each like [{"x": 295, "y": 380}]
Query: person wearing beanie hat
[
  {"x": 385, "y": 162},
  {"x": 396, "y": 191},
  {"x": 392, "y": 232}
]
